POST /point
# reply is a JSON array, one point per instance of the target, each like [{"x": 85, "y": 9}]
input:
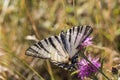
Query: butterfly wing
[
  {"x": 49, "y": 48},
  {"x": 75, "y": 37},
  {"x": 71, "y": 40},
  {"x": 60, "y": 49}
]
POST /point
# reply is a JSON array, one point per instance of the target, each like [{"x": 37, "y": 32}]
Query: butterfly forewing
[
  {"x": 50, "y": 48},
  {"x": 75, "y": 36}
]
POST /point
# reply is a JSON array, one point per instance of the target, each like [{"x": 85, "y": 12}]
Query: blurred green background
[{"x": 23, "y": 20}]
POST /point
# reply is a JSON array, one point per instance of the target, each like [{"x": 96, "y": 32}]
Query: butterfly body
[{"x": 63, "y": 49}]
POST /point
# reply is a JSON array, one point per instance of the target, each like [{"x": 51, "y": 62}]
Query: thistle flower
[
  {"x": 86, "y": 69},
  {"x": 86, "y": 43}
]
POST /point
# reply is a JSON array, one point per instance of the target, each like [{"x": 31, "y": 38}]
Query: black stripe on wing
[
  {"x": 63, "y": 39},
  {"x": 81, "y": 28},
  {"x": 30, "y": 50},
  {"x": 56, "y": 37},
  {"x": 70, "y": 35},
  {"x": 42, "y": 46},
  {"x": 46, "y": 41},
  {"x": 37, "y": 45},
  {"x": 33, "y": 51},
  {"x": 52, "y": 43},
  {"x": 87, "y": 32}
]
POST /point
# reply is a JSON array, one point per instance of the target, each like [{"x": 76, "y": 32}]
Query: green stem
[
  {"x": 94, "y": 77},
  {"x": 95, "y": 67},
  {"x": 50, "y": 70}
]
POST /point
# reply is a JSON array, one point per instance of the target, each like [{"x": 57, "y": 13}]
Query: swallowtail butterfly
[{"x": 62, "y": 50}]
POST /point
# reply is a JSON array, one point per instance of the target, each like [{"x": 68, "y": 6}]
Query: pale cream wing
[{"x": 49, "y": 48}]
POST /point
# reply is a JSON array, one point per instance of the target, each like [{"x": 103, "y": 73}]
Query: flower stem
[
  {"x": 95, "y": 67},
  {"x": 94, "y": 78}
]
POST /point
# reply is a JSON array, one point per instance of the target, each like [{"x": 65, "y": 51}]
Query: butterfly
[{"x": 62, "y": 50}]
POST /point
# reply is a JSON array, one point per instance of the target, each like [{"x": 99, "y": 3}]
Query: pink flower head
[
  {"x": 86, "y": 69},
  {"x": 86, "y": 43}
]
